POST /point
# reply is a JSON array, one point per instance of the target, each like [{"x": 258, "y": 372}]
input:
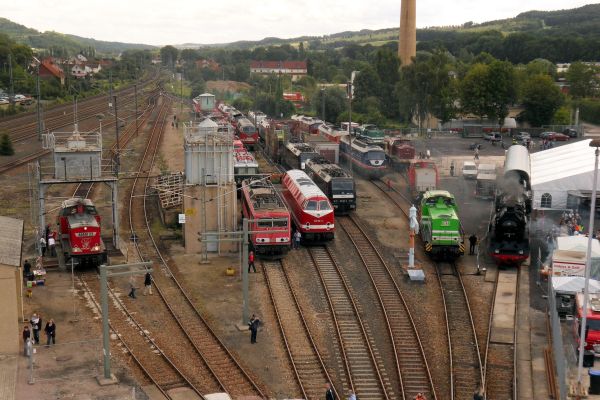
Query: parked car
[
  {"x": 522, "y": 136},
  {"x": 469, "y": 170},
  {"x": 545, "y": 135},
  {"x": 559, "y": 137},
  {"x": 570, "y": 132},
  {"x": 474, "y": 146},
  {"x": 492, "y": 136}
]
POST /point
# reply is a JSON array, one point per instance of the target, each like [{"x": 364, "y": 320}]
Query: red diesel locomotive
[
  {"x": 247, "y": 132},
  {"x": 311, "y": 210},
  {"x": 270, "y": 218},
  {"x": 79, "y": 226}
]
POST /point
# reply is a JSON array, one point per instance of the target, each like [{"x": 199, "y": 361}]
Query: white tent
[
  {"x": 578, "y": 243},
  {"x": 573, "y": 284},
  {"x": 556, "y": 171}
]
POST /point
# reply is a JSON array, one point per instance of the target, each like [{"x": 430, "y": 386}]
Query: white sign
[
  {"x": 182, "y": 218},
  {"x": 560, "y": 268}
]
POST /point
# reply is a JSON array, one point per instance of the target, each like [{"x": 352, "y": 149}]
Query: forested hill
[
  {"x": 562, "y": 35},
  {"x": 61, "y": 44}
]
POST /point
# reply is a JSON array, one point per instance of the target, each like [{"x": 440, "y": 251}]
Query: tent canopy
[
  {"x": 573, "y": 284},
  {"x": 578, "y": 243}
]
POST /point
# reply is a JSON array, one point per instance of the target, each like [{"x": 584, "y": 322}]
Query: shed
[
  {"x": 569, "y": 258},
  {"x": 207, "y": 101},
  {"x": 11, "y": 239},
  {"x": 556, "y": 171}
]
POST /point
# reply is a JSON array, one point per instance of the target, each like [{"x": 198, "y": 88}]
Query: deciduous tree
[{"x": 541, "y": 99}]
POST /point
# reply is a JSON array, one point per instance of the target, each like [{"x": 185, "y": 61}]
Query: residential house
[
  {"x": 50, "y": 69},
  {"x": 208, "y": 63}
]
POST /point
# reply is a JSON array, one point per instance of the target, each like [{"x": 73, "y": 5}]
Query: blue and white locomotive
[{"x": 368, "y": 160}]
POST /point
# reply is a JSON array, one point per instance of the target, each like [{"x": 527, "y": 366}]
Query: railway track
[
  {"x": 43, "y": 152},
  {"x": 466, "y": 369},
  {"x": 409, "y": 356},
  {"x": 362, "y": 363},
  {"x": 304, "y": 355},
  {"x": 220, "y": 363},
  {"x": 501, "y": 354},
  {"x": 147, "y": 354}
]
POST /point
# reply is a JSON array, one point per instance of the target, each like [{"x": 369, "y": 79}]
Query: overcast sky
[{"x": 161, "y": 22}]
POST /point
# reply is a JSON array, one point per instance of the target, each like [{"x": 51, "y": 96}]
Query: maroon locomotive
[{"x": 400, "y": 152}]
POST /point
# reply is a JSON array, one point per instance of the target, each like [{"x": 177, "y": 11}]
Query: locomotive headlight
[
  {"x": 520, "y": 251},
  {"x": 76, "y": 250},
  {"x": 96, "y": 248},
  {"x": 497, "y": 251}
]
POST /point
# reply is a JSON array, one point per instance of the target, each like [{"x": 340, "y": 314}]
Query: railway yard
[{"x": 343, "y": 312}]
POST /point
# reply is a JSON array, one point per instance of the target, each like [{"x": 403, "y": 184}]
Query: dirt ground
[{"x": 226, "y": 86}]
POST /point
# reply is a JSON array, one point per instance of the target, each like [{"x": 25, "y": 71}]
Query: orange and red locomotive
[
  {"x": 269, "y": 218},
  {"x": 310, "y": 209}
]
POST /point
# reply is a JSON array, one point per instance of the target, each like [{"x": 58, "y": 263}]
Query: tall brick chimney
[{"x": 407, "y": 41}]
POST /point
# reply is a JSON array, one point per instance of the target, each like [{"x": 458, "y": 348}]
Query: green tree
[
  {"x": 487, "y": 90},
  {"x": 6, "y": 147},
  {"x": 334, "y": 103},
  {"x": 581, "y": 79},
  {"x": 541, "y": 99},
  {"x": 169, "y": 55}
]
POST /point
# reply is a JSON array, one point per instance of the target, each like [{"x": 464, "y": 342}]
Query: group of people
[
  {"x": 571, "y": 221},
  {"x": 31, "y": 335},
  {"x": 48, "y": 242},
  {"x": 147, "y": 286},
  {"x": 425, "y": 155}
]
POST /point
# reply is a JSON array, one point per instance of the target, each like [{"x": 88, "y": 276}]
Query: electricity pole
[
  {"x": 11, "y": 93},
  {"x": 39, "y": 99},
  {"x": 117, "y": 161},
  {"x": 136, "y": 108}
]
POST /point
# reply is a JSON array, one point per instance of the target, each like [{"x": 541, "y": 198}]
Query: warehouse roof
[
  {"x": 562, "y": 162},
  {"x": 11, "y": 238}
]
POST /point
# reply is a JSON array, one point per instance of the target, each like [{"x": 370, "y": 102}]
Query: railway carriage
[
  {"x": 367, "y": 160},
  {"x": 335, "y": 182},
  {"x": 246, "y": 131},
  {"x": 296, "y": 155},
  {"x": 440, "y": 226},
  {"x": 245, "y": 166},
  {"x": 400, "y": 152},
  {"x": 310, "y": 209},
  {"x": 269, "y": 216},
  {"x": 423, "y": 175},
  {"x": 80, "y": 232}
]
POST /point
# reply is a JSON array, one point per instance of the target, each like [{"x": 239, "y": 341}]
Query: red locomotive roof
[{"x": 301, "y": 186}]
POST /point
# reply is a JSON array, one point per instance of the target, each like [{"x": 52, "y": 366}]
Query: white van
[{"x": 469, "y": 170}]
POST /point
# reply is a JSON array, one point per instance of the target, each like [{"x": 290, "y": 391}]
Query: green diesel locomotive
[{"x": 440, "y": 226}]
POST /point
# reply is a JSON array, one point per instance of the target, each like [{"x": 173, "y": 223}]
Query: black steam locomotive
[{"x": 508, "y": 231}]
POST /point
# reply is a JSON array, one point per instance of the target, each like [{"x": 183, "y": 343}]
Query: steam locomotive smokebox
[{"x": 77, "y": 156}]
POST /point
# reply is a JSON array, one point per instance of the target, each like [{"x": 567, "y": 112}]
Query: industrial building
[{"x": 210, "y": 200}]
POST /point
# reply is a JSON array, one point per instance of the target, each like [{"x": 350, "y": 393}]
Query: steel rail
[
  {"x": 361, "y": 365},
  {"x": 227, "y": 377},
  {"x": 154, "y": 376},
  {"x": 466, "y": 368},
  {"x": 307, "y": 363},
  {"x": 412, "y": 367}
]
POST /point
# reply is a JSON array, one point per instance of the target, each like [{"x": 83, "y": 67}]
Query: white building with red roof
[{"x": 296, "y": 69}]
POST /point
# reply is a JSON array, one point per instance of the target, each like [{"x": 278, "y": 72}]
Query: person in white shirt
[{"x": 52, "y": 245}]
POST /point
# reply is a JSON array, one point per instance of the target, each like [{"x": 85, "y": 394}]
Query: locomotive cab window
[
  {"x": 324, "y": 205},
  {"x": 311, "y": 205},
  {"x": 265, "y": 223},
  {"x": 546, "y": 201},
  {"x": 282, "y": 224}
]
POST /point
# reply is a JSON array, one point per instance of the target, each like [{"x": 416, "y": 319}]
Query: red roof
[
  {"x": 278, "y": 64},
  {"x": 48, "y": 67}
]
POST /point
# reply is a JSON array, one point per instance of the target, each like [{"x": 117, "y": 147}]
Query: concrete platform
[
  {"x": 503, "y": 320},
  {"x": 8, "y": 376},
  {"x": 183, "y": 394}
]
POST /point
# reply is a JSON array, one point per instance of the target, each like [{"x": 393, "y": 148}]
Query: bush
[{"x": 589, "y": 110}]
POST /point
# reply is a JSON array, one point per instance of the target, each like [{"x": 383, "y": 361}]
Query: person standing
[
  {"x": 43, "y": 246},
  {"x": 147, "y": 284},
  {"x": 329, "y": 394},
  {"x": 428, "y": 154},
  {"x": 477, "y": 153},
  {"x": 297, "y": 239},
  {"x": 132, "y": 288},
  {"x": 253, "y": 327},
  {"x": 251, "y": 261},
  {"x": 452, "y": 168},
  {"x": 36, "y": 322},
  {"x": 26, "y": 339},
  {"x": 26, "y": 269},
  {"x": 472, "y": 243},
  {"x": 50, "y": 330},
  {"x": 52, "y": 245},
  {"x": 351, "y": 396}
]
